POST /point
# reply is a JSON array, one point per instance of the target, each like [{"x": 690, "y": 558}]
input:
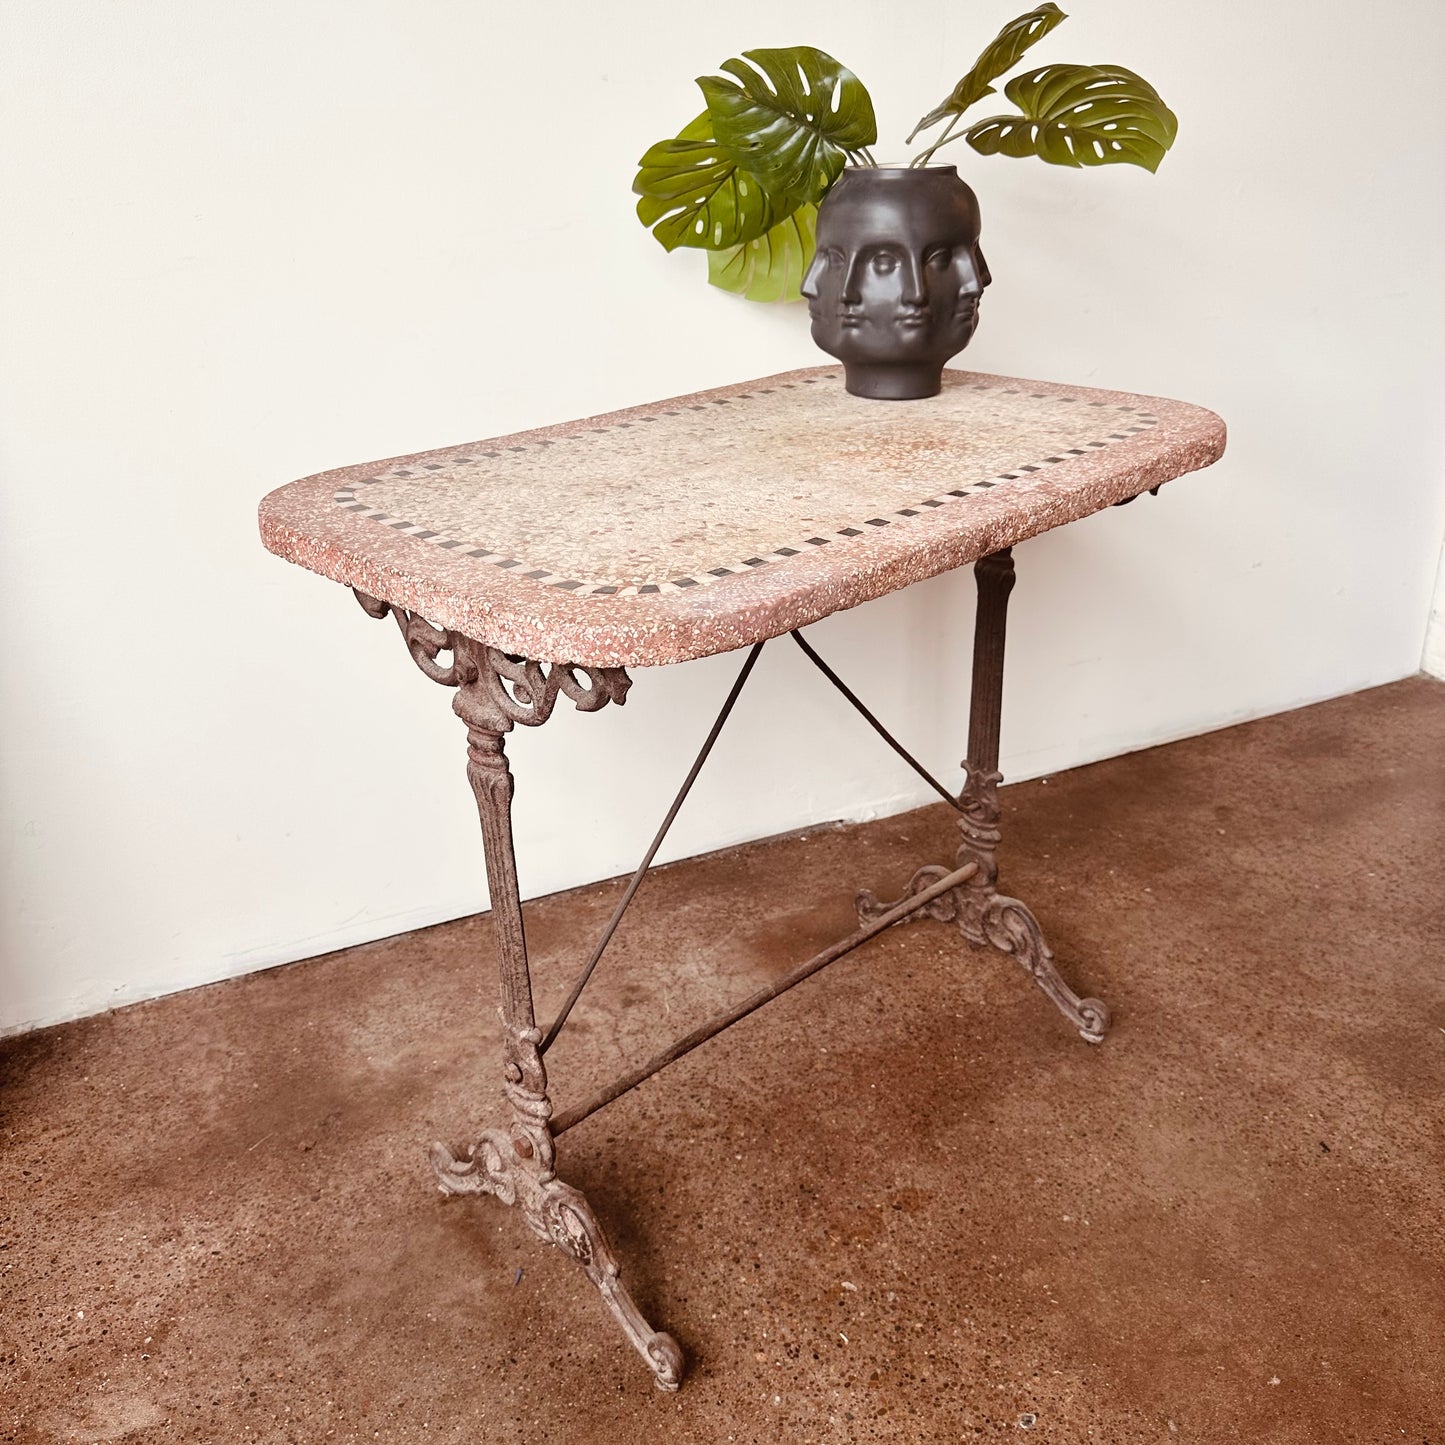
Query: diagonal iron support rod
[
  {"x": 641, "y": 872},
  {"x": 700, "y": 1035},
  {"x": 637, "y": 877},
  {"x": 873, "y": 722}
]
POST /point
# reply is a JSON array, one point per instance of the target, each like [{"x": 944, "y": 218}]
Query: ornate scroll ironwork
[
  {"x": 496, "y": 691},
  {"x": 425, "y": 642},
  {"x": 982, "y": 913},
  {"x": 517, "y": 1164},
  {"x": 518, "y": 1167},
  {"x": 503, "y": 689}
]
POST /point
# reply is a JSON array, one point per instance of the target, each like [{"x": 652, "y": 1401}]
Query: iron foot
[
  {"x": 984, "y": 916},
  {"x": 561, "y": 1215}
]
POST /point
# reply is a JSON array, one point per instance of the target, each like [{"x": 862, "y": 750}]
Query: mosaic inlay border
[{"x": 349, "y": 498}]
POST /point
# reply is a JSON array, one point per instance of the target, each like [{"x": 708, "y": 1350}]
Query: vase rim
[{"x": 899, "y": 169}]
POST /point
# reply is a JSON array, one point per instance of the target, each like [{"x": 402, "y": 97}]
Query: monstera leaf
[
  {"x": 772, "y": 267},
  {"x": 1080, "y": 115},
  {"x": 1003, "y": 53},
  {"x": 695, "y": 195},
  {"x": 790, "y": 117}
]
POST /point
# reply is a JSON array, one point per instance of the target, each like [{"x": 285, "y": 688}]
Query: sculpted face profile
[{"x": 895, "y": 283}]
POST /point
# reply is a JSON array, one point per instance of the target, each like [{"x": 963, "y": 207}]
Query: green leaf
[
  {"x": 790, "y": 118},
  {"x": 1080, "y": 115},
  {"x": 694, "y": 195},
  {"x": 771, "y": 267},
  {"x": 1003, "y": 53}
]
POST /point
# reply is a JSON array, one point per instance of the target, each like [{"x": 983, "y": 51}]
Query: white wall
[
  {"x": 245, "y": 243},
  {"x": 1434, "y": 660}
]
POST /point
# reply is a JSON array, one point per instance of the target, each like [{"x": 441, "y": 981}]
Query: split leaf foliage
[
  {"x": 1080, "y": 115},
  {"x": 744, "y": 179},
  {"x": 1003, "y": 53},
  {"x": 772, "y": 267},
  {"x": 791, "y": 117},
  {"x": 695, "y": 195}
]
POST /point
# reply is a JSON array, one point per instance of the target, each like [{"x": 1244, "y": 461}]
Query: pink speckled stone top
[{"x": 706, "y": 523}]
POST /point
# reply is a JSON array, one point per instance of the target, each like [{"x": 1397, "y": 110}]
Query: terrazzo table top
[{"x": 705, "y": 523}]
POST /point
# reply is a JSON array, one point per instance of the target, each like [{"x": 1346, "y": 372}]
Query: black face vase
[{"x": 895, "y": 283}]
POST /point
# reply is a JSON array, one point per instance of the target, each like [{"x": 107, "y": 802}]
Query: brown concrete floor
[{"x": 903, "y": 1203}]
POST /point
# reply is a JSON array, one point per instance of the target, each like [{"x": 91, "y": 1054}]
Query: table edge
[{"x": 675, "y": 628}]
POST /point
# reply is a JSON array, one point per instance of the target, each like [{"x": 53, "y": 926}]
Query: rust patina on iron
[{"x": 495, "y": 692}]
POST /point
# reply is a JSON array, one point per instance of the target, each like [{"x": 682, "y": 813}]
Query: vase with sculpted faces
[{"x": 895, "y": 283}]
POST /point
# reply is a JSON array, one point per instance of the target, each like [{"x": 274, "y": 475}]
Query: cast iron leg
[
  {"x": 517, "y": 1162},
  {"x": 982, "y": 913}
]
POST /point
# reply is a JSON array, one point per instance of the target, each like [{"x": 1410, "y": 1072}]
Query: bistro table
[{"x": 545, "y": 564}]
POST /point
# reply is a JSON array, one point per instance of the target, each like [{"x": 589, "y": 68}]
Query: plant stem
[{"x": 923, "y": 157}]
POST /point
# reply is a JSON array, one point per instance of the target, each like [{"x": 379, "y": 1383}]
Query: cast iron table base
[
  {"x": 694, "y": 526},
  {"x": 517, "y": 1161}
]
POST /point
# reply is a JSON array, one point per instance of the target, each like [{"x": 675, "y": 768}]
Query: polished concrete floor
[{"x": 903, "y": 1203}]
